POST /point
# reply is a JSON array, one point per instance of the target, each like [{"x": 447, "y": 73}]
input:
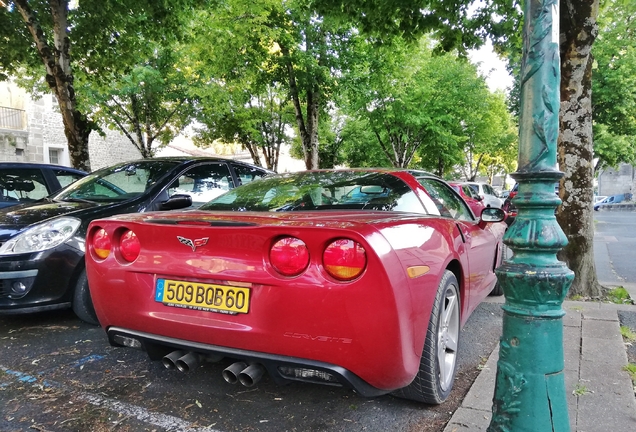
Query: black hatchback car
[
  {"x": 22, "y": 182},
  {"x": 42, "y": 243}
]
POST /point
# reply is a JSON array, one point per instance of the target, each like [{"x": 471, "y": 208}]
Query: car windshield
[
  {"x": 321, "y": 190},
  {"x": 117, "y": 183}
]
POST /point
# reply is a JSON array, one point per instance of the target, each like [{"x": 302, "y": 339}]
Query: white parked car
[{"x": 489, "y": 196}]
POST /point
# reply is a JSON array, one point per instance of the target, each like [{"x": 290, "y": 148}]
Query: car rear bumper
[
  {"x": 340, "y": 324},
  {"x": 280, "y": 368}
]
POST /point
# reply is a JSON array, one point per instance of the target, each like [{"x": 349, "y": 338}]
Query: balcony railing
[{"x": 11, "y": 118}]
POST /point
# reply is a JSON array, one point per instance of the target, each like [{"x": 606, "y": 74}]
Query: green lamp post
[{"x": 530, "y": 386}]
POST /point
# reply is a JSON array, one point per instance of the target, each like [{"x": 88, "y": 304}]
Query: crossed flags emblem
[{"x": 193, "y": 244}]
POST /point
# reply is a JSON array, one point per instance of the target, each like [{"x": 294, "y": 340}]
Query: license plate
[{"x": 200, "y": 296}]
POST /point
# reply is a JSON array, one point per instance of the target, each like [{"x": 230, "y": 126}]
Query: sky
[{"x": 492, "y": 67}]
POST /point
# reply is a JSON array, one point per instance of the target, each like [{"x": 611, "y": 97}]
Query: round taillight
[
  {"x": 289, "y": 256},
  {"x": 344, "y": 259},
  {"x": 101, "y": 243},
  {"x": 129, "y": 246}
]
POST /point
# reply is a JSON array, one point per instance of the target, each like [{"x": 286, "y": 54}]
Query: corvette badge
[{"x": 193, "y": 244}]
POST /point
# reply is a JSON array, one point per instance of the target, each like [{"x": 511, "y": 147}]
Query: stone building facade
[
  {"x": 32, "y": 131},
  {"x": 617, "y": 181}
]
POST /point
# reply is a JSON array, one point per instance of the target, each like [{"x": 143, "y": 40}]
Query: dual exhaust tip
[
  {"x": 248, "y": 375},
  {"x": 184, "y": 361},
  {"x": 241, "y": 372}
]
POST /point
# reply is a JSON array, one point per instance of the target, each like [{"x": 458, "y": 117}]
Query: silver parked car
[{"x": 487, "y": 193}]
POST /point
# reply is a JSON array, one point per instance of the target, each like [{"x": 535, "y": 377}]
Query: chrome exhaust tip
[
  {"x": 230, "y": 373},
  {"x": 188, "y": 362},
  {"x": 170, "y": 360},
  {"x": 251, "y": 375}
]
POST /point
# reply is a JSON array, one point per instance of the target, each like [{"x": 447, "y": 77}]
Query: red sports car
[
  {"x": 358, "y": 278},
  {"x": 474, "y": 201}
]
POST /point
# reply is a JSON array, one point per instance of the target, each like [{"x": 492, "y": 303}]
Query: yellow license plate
[{"x": 200, "y": 296}]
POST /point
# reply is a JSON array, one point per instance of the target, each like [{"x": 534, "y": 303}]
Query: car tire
[
  {"x": 82, "y": 303},
  {"x": 497, "y": 290},
  {"x": 438, "y": 364}
]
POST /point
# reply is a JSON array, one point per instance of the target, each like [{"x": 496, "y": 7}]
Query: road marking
[
  {"x": 168, "y": 422},
  {"x": 165, "y": 421}
]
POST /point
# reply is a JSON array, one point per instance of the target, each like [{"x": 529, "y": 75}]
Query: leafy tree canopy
[
  {"x": 62, "y": 45},
  {"x": 149, "y": 103},
  {"x": 614, "y": 84},
  {"x": 459, "y": 24},
  {"x": 425, "y": 110}
]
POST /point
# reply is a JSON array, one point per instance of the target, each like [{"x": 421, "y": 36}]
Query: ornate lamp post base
[{"x": 530, "y": 387}]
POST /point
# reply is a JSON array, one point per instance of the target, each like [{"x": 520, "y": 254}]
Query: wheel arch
[
  {"x": 72, "y": 282},
  {"x": 455, "y": 267}
]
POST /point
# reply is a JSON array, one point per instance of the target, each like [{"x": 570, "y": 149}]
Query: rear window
[{"x": 324, "y": 190}]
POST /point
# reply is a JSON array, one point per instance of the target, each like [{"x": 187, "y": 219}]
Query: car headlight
[{"x": 41, "y": 237}]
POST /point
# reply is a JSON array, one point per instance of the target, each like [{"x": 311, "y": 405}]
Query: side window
[
  {"x": 22, "y": 185},
  {"x": 66, "y": 178},
  {"x": 448, "y": 204},
  {"x": 468, "y": 191},
  {"x": 247, "y": 174},
  {"x": 203, "y": 183},
  {"x": 409, "y": 202}
]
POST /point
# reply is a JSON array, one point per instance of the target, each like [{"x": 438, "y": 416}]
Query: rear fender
[{"x": 423, "y": 253}]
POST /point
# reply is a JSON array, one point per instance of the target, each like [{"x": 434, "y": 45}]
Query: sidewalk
[{"x": 594, "y": 357}]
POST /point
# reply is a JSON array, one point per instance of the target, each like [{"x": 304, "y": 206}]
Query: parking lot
[{"x": 59, "y": 374}]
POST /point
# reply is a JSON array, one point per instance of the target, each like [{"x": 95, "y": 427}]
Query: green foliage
[
  {"x": 612, "y": 149},
  {"x": 628, "y": 334},
  {"x": 69, "y": 45},
  {"x": 580, "y": 390},
  {"x": 361, "y": 147},
  {"x": 252, "y": 71},
  {"x": 257, "y": 121},
  {"x": 254, "y": 48},
  {"x": 241, "y": 97},
  {"x": 107, "y": 36},
  {"x": 457, "y": 25},
  {"x": 427, "y": 111},
  {"x": 619, "y": 295},
  {"x": 630, "y": 368},
  {"x": 614, "y": 84},
  {"x": 149, "y": 103}
]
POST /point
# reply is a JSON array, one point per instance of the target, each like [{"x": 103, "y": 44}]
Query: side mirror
[
  {"x": 491, "y": 215},
  {"x": 177, "y": 201}
]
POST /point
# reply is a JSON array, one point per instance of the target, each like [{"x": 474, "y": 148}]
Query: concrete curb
[
  {"x": 600, "y": 395},
  {"x": 630, "y": 206}
]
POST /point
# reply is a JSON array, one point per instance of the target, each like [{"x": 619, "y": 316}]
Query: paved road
[
  {"x": 59, "y": 374},
  {"x": 614, "y": 245}
]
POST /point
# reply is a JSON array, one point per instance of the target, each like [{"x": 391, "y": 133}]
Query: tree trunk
[
  {"x": 575, "y": 145},
  {"x": 59, "y": 77}
]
